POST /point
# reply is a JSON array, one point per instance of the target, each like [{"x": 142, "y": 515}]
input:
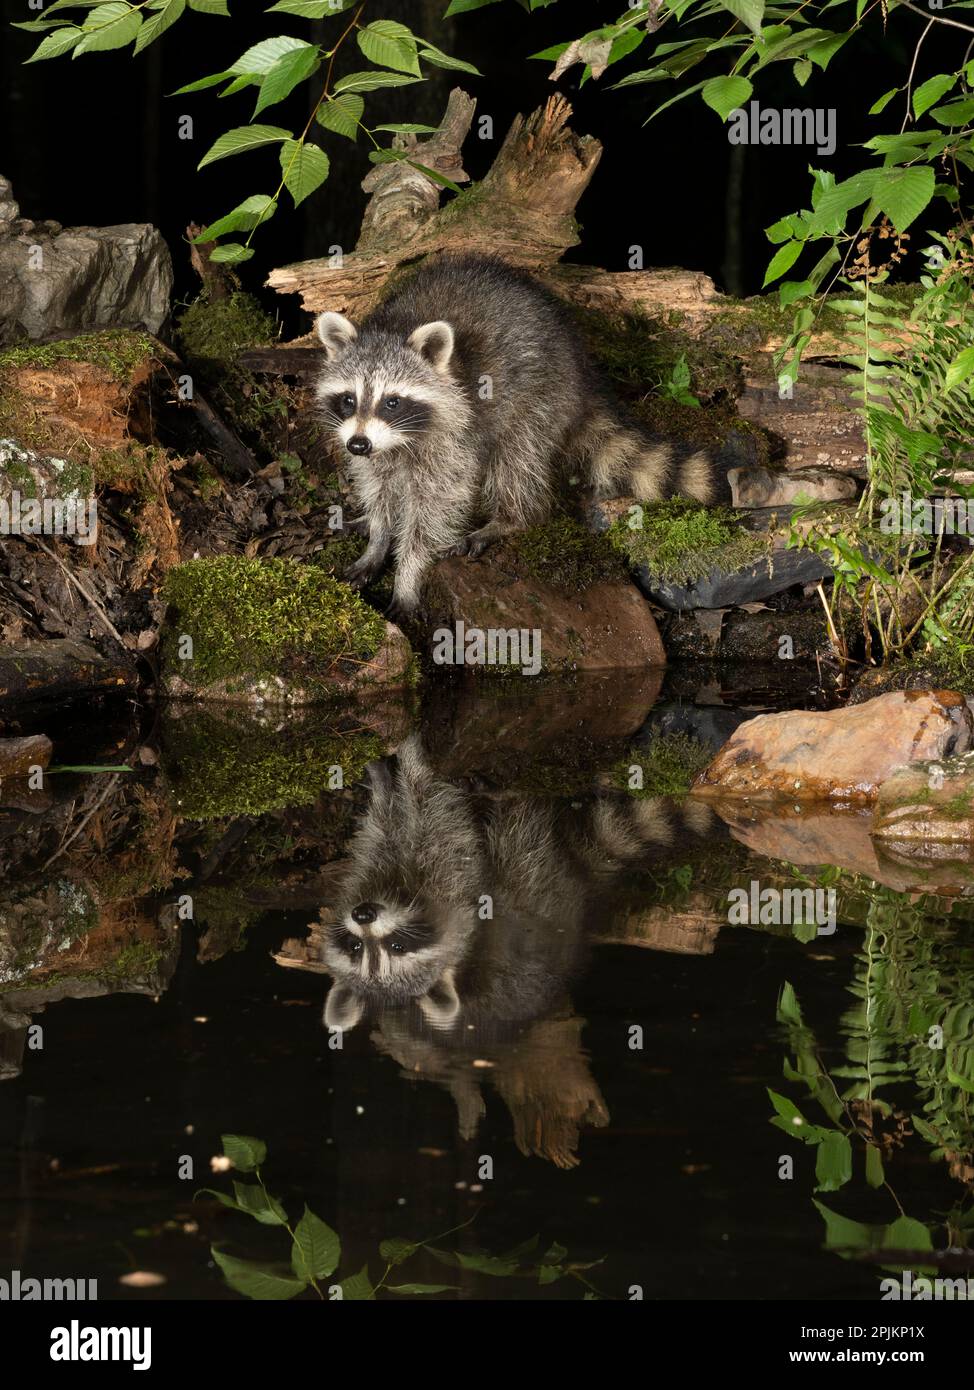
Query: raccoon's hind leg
[{"x": 516, "y": 494}]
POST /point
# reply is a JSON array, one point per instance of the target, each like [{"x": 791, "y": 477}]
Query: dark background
[{"x": 95, "y": 140}]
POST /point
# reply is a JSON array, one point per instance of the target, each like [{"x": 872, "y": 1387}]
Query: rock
[
  {"x": 92, "y": 277},
  {"x": 45, "y": 496},
  {"x": 708, "y": 724},
  {"x": 689, "y": 931},
  {"x": 819, "y": 425},
  {"x": 725, "y": 589},
  {"x": 606, "y": 625},
  {"x": 838, "y": 754},
  {"x": 19, "y": 755},
  {"x": 9, "y": 208},
  {"x": 60, "y": 669},
  {"x": 926, "y": 801},
  {"x": 764, "y": 487}
]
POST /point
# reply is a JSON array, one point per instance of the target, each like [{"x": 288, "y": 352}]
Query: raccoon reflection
[{"x": 411, "y": 923}]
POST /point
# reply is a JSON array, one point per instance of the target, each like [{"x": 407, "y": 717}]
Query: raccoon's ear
[
  {"x": 434, "y": 341},
  {"x": 441, "y": 1004},
  {"x": 343, "y": 1008},
  {"x": 336, "y": 332}
]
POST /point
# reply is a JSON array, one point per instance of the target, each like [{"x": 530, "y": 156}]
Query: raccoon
[{"x": 454, "y": 402}]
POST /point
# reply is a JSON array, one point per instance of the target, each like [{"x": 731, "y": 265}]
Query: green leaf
[
  {"x": 242, "y": 218},
  {"x": 875, "y": 1176},
  {"x": 498, "y": 1266},
  {"x": 802, "y": 70},
  {"x": 903, "y": 194},
  {"x": 372, "y": 81},
  {"x": 202, "y": 83},
  {"x": 390, "y": 45},
  {"x": 407, "y": 129},
  {"x": 419, "y": 1288},
  {"x": 156, "y": 26},
  {"x": 955, "y": 113},
  {"x": 259, "y": 1204},
  {"x": 231, "y": 252},
  {"x": 549, "y": 1274},
  {"x": 791, "y": 290},
  {"x": 243, "y": 1151},
  {"x": 833, "y": 1162},
  {"x": 883, "y": 101},
  {"x": 396, "y": 1251},
  {"x": 342, "y": 115},
  {"x": 960, "y": 369},
  {"x": 311, "y": 9},
  {"x": 316, "y": 1249},
  {"x": 930, "y": 92},
  {"x": 435, "y": 175},
  {"x": 305, "y": 168},
  {"x": 286, "y": 74},
  {"x": 262, "y": 56},
  {"x": 439, "y": 59},
  {"x": 245, "y": 137},
  {"x": 726, "y": 94},
  {"x": 266, "y": 1282},
  {"x": 223, "y": 1197},
  {"x": 109, "y": 26},
  {"x": 465, "y": 6},
  {"x": 358, "y": 1287},
  {"x": 783, "y": 259},
  {"x": 790, "y": 1119},
  {"x": 210, "y": 7},
  {"x": 61, "y": 41},
  {"x": 749, "y": 12}
]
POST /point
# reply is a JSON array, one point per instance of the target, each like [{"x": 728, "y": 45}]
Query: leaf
[
  {"x": 419, "y": 1288},
  {"x": 88, "y": 767},
  {"x": 390, "y": 45},
  {"x": 726, "y": 94},
  {"x": 396, "y": 1251},
  {"x": 802, "y": 70},
  {"x": 882, "y": 103},
  {"x": 259, "y": 1204},
  {"x": 749, "y": 12},
  {"x": 439, "y": 59},
  {"x": 930, "y": 92},
  {"x": 311, "y": 9},
  {"x": 342, "y": 115},
  {"x": 231, "y": 252},
  {"x": 289, "y": 70},
  {"x": 316, "y": 1249},
  {"x": 833, "y": 1162},
  {"x": 61, "y": 41},
  {"x": 305, "y": 168},
  {"x": 262, "y": 56},
  {"x": 202, "y": 83},
  {"x": 243, "y": 218},
  {"x": 245, "y": 137},
  {"x": 960, "y": 368},
  {"x": 790, "y": 1119},
  {"x": 435, "y": 175},
  {"x": 265, "y": 1282},
  {"x": 372, "y": 81},
  {"x": 358, "y": 1287},
  {"x": 153, "y": 28},
  {"x": 465, "y": 6},
  {"x": 223, "y": 1197},
  {"x": 903, "y": 194},
  {"x": 408, "y": 129},
  {"x": 955, "y": 113},
  {"x": 210, "y": 7},
  {"x": 498, "y": 1266},
  {"x": 109, "y": 26},
  {"x": 875, "y": 1176},
  {"x": 783, "y": 259},
  {"x": 243, "y": 1151}
]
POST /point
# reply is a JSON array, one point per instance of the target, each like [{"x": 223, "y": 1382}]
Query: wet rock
[
  {"x": 931, "y": 800},
  {"x": 839, "y": 754},
  {"x": 57, "y": 281},
  {"x": 606, "y": 625},
  {"x": 712, "y": 725},
  {"x": 765, "y": 487},
  {"x": 728, "y": 588},
  {"x": 60, "y": 669},
  {"x": 689, "y": 931},
  {"x": 19, "y": 755}
]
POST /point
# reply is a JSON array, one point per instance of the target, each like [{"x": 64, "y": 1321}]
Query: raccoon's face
[
  {"x": 391, "y": 950},
  {"x": 379, "y": 392}
]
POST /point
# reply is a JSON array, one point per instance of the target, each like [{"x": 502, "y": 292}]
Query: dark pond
[{"x": 547, "y": 1016}]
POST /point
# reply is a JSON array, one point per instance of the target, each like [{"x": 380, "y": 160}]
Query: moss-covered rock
[
  {"x": 666, "y": 767},
  {"x": 274, "y": 630},
  {"x": 680, "y": 541}
]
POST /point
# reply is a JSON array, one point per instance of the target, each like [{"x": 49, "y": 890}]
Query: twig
[
  {"x": 85, "y": 593},
  {"x": 71, "y": 839}
]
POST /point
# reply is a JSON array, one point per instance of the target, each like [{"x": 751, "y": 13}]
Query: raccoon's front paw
[
  {"x": 402, "y": 612},
  {"x": 475, "y": 544}
]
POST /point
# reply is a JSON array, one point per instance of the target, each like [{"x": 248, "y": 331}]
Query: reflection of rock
[
  {"x": 709, "y": 724},
  {"x": 690, "y": 930},
  {"x": 515, "y": 734},
  {"x": 58, "y": 669},
  {"x": 928, "y": 801},
  {"x": 841, "y": 754},
  {"x": 604, "y": 626}
]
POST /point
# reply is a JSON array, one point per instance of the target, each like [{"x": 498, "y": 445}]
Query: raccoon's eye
[
  {"x": 346, "y": 403},
  {"x": 391, "y": 403},
  {"x": 355, "y": 948},
  {"x": 396, "y": 947}
]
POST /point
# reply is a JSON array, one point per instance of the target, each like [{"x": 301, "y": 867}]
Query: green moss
[
  {"x": 638, "y": 353},
  {"x": 668, "y": 766},
  {"x": 221, "y": 767},
  {"x": 681, "y": 541},
  {"x": 265, "y": 618},
  {"x": 135, "y": 962},
  {"x": 563, "y": 553},
  {"x": 217, "y": 331},
  {"x": 117, "y": 351}
]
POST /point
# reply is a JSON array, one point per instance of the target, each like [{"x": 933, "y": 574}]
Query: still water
[{"x": 474, "y": 991}]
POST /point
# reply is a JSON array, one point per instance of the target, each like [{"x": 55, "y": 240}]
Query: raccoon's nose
[
  {"x": 365, "y": 913},
  {"x": 359, "y": 444}
]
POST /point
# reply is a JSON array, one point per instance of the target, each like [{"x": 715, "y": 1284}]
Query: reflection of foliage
[
  {"x": 316, "y": 1249},
  {"x": 667, "y": 766}
]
